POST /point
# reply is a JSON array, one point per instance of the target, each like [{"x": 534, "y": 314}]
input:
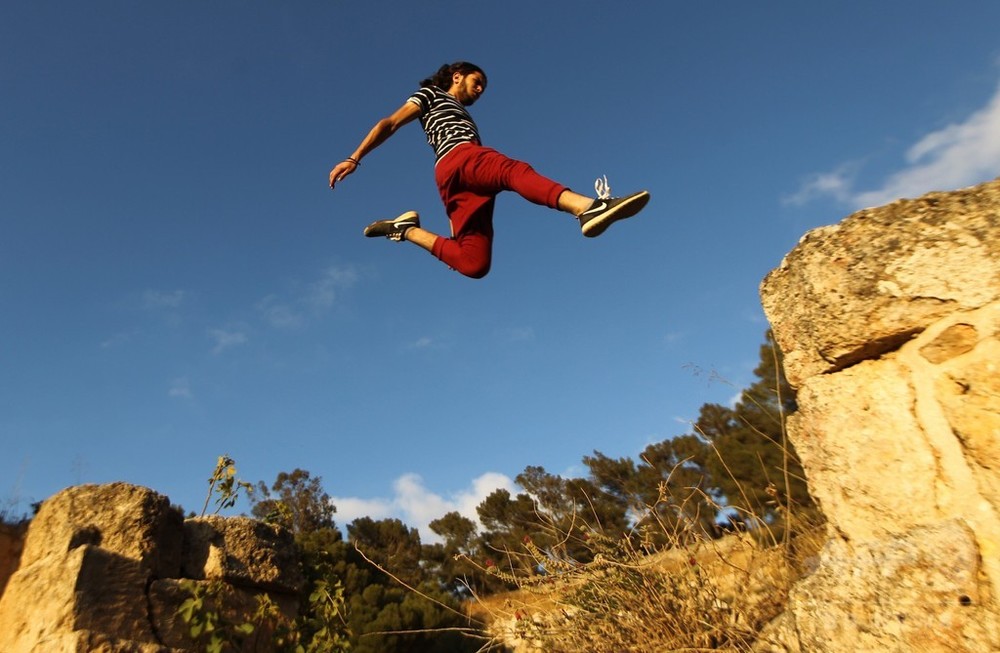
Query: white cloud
[
  {"x": 416, "y": 505},
  {"x": 350, "y": 508},
  {"x": 836, "y": 184},
  {"x": 956, "y": 156},
  {"x": 672, "y": 337},
  {"x": 226, "y": 339},
  {"x": 180, "y": 389},
  {"x": 116, "y": 340},
  {"x": 518, "y": 334},
  {"x": 158, "y": 299},
  {"x": 278, "y": 314},
  {"x": 315, "y": 298},
  {"x": 322, "y": 293}
]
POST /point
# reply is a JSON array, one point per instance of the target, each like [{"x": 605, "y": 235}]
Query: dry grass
[{"x": 690, "y": 592}]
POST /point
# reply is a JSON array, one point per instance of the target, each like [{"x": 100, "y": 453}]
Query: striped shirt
[{"x": 445, "y": 120}]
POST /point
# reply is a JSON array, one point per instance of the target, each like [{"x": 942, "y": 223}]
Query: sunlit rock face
[
  {"x": 890, "y": 327},
  {"x": 102, "y": 570}
]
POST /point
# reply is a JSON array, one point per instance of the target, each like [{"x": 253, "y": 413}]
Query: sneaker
[
  {"x": 607, "y": 210},
  {"x": 393, "y": 229}
]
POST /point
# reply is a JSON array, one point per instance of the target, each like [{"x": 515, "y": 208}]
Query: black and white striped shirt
[{"x": 445, "y": 120}]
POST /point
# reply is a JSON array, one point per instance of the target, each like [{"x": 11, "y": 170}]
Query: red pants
[{"x": 469, "y": 179}]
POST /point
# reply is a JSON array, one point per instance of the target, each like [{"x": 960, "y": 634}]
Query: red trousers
[{"x": 469, "y": 179}]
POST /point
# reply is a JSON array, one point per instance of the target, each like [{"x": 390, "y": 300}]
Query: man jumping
[{"x": 469, "y": 176}]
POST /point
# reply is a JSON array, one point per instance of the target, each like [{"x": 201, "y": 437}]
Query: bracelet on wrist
[{"x": 356, "y": 163}]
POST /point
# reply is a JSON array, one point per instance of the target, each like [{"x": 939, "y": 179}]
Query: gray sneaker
[
  {"x": 605, "y": 211},
  {"x": 393, "y": 229}
]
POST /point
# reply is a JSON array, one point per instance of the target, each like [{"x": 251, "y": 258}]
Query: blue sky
[{"x": 177, "y": 281}]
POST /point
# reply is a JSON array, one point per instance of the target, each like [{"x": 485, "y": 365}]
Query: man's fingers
[{"x": 338, "y": 173}]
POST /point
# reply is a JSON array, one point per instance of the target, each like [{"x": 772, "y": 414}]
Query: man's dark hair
[{"x": 442, "y": 78}]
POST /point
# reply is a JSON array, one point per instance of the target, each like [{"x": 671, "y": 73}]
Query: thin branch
[{"x": 413, "y": 589}]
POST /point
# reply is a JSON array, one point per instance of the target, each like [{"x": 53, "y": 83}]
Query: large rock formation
[
  {"x": 102, "y": 568},
  {"x": 890, "y": 327}
]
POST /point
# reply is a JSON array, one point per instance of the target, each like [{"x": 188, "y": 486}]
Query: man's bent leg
[{"x": 469, "y": 254}]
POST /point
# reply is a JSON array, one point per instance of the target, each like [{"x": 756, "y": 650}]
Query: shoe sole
[
  {"x": 625, "y": 209},
  {"x": 374, "y": 229}
]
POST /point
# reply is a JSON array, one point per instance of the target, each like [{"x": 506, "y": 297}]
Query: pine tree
[{"x": 752, "y": 461}]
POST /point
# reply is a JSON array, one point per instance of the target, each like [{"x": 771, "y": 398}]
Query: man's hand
[
  {"x": 341, "y": 170},
  {"x": 382, "y": 130}
]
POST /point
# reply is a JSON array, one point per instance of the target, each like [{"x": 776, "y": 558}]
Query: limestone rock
[
  {"x": 918, "y": 592},
  {"x": 241, "y": 551},
  {"x": 101, "y": 573},
  {"x": 852, "y": 291},
  {"x": 88, "y": 589},
  {"x": 890, "y": 325},
  {"x": 132, "y": 521}
]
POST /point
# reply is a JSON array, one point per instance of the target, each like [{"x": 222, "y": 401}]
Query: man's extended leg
[{"x": 485, "y": 170}]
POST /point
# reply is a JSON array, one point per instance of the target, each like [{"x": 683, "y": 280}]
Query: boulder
[
  {"x": 133, "y": 521},
  {"x": 852, "y": 291},
  {"x": 88, "y": 589},
  {"x": 101, "y": 572},
  {"x": 890, "y": 326},
  {"x": 241, "y": 551}
]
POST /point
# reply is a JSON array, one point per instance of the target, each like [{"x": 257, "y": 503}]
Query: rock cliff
[
  {"x": 102, "y": 567},
  {"x": 890, "y": 327}
]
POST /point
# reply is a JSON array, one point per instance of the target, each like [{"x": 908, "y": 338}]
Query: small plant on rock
[{"x": 224, "y": 485}]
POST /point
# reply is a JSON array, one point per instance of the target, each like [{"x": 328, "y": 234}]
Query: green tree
[
  {"x": 507, "y": 520},
  {"x": 752, "y": 462},
  {"x": 390, "y": 544},
  {"x": 669, "y": 490},
  {"x": 375, "y": 602},
  {"x": 548, "y": 524},
  {"x": 295, "y": 500},
  {"x": 453, "y": 561},
  {"x": 394, "y": 603}
]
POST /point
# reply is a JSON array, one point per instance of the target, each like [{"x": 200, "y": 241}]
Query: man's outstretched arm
[{"x": 382, "y": 130}]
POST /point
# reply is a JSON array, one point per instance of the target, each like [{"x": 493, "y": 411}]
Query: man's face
[{"x": 467, "y": 88}]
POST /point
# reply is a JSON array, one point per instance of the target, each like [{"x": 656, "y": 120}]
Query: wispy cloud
[
  {"x": 322, "y": 293},
  {"x": 673, "y": 337},
  {"x": 309, "y": 300},
  {"x": 518, "y": 334},
  {"x": 116, "y": 339},
  {"x": 226, "y": 339},
  {"x": 279, "y": 314},
  {"x": 416, "y": 505},
  {"x": 180, "y": 389},
  {"x": 159, "y": 299},
  {"x": 958, "y": 155},
  {"x": 836, "y": 184}
]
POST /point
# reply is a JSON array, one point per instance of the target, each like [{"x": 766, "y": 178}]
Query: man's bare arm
[{"x": 382, "y": 130}]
